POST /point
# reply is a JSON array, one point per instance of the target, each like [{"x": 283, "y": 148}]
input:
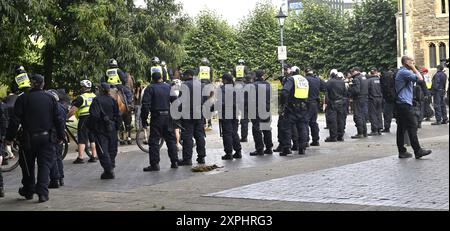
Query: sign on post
[{"x": 282, "y": 53}]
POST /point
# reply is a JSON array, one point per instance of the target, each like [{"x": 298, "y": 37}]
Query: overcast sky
[{"x": 231, "y": 10}]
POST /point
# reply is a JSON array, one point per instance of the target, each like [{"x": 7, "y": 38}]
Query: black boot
[
  {"x": 268, "y": 151},
  {"x": 61, "y": 182},
  {"x": 315, "y": 143},
  {"x": 257, "y": 153},
  {"x": 152, "y": 168},
  {"x": 358, "y": 136},
  {"x": 301, "y": 151},
  {"x": 278, "y": 149},
  {"x": 286, "y": 152},
  {"x": 237, "y": 155},
  {"x": 227, "y": 157},
  {"x": 107, "y": 175},
  {"x": 53, "y": 184},
  {"x": 2, "y": 192}
]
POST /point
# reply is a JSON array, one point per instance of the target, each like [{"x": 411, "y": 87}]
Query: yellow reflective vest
[
  {"x": 240, "y": 71},
  {"x": 113, "y": 76},
  {"x": 204, "y": 73},
  {"x": 23, "y": 81},
  {"x": 301, "y": 87},
  {"x": 428, "y": 81},
  {"x": 87, "y": 101}
]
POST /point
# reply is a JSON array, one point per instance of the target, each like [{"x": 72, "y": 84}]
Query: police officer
[
  {"x": 260, "y": 102},
  {"x": 80, "y": 107},
  {"x": 21, "y": 82},
  {"x": 164, "y": 67},
  {"x": 103, "y": 121},
  {"x": 375, "y": 103},
  {"x": 57, "y": 170},
  {"x": 117, "y": 78},
  {"x": 43, "y": 127},
  {"x": 244, "y": 101},
  {"x": 316, "y": 85},
  {"x": 282, "y": 120},
  {"x": 156, "y": 101},
  {"x": 240, "y": 72},
  {"x": 205, "y": 75},
  {"x": 336, "y": 113},
  {"x": 192, "y": 121},
  {"x": 359, "y": 90},
  {"x": 295, "y": 95},
  {"x": 156, "y": 67},
  {"x": 388, "y": 91},
  {"x": 438, "y": 91},
  {"x": 229, "y": 124}
]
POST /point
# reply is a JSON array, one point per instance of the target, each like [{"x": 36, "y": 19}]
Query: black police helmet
[
  {"x": 308, "y": 70},
  {"x": 19, "y": 69},
  {"x": 188, "y": 73},
  {"x": 156, "y": 75}
]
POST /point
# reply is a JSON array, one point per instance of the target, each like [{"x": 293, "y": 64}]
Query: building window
[
  {"x": 443, "y": 6},
  {"x": 442, "y": 52},
  {"x": 432, "y": 55}
]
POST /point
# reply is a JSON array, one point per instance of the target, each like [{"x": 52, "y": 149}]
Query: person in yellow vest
[
  {"x": 21, "y": 82},
  {"x": 240, "y": 71},
  {"x": 156, "y": 67},
  {"x": 205, "y": 75},
  {"x": 118, "y": 79},
  {"x": 164, "y": 68},
  {"x": 80, "y": 108},
  {"x": 295, "y": 95},
  {"x": 428, "y": 112}
]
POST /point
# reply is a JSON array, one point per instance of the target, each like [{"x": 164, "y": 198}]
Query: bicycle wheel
[
  {"x": 65, "y": 148},
  {"x": 142, "y": 139},
  {"x": 11, "y": 159}
]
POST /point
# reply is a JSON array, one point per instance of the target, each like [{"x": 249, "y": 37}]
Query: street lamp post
[{"x": 281, "y": 17}]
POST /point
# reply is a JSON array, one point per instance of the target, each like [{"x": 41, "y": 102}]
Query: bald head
[{"x": 405, "y": 59}]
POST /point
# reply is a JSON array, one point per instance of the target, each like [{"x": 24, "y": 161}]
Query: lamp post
[{"x": 281, "y": 17}]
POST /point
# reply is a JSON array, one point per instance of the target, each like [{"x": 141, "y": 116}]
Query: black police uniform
[
  {"x": 388, "y": 91},
  {"x": 375, "y": 105},
  {"x": 336, "y": 109},
  {"x": 205, "y": 83},
  {"x": 360, "y": 91},
  {"x": 438, "y": 91},
  {"x": 104, "y": 122},
  {"x": 43, "y": 126},
  {"x": 316, "y": 85},
  {"x": 262, "y": 137},
  {"x": 193, "y": 127},
  {"x": 156, "y": 102},
  {"x": 296, "y": 115},
  {"x": 57, "y": 171},
  {"x": 229, "y": 126}
]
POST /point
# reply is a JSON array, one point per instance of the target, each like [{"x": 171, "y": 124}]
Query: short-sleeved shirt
[
  {"x": 78, "y": 102},
  {"x": 404, "y": 86}
]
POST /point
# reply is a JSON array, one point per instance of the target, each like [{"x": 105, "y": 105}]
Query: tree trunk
[{"x": 49, "y": 54}]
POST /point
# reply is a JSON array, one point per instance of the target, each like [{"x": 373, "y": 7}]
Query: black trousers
[
  {"x": 261, "y": 137},
  {"x": 406, "y": 122},
  {"x": 44, "y": 151},
  {"x": 244, "y": 127},
  {"x": 440, "y": 109},
  {"x": 283, "y": 123},
  {"x": 336, "y": 119},
  {"x": 57, "y": 171},
  {"x": 388, "y": 114},
  {"x": 193, "y": 129},
  {"x": 297, "y": 117},
  {"x": 230, "y": 135},
  {"x": 106, "y": 146},
  {"x": 313, "y": 106},
  {"x": 161, "y": 126},
  {"x": 375, "y": 114},
  {"x": 428, "y": 110},
  {"x": 359, "y": 114}
]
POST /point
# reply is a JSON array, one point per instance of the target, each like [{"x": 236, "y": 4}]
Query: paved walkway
[{"x": 182, "y": 189}]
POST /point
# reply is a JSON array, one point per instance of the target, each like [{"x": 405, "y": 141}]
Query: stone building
[{"x": 427, "y": 32}]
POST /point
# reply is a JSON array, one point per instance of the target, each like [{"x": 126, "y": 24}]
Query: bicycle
[{"x": 69, "y": 135}]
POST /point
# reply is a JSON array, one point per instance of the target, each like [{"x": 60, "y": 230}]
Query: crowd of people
[{"x": 404, "y": 94}]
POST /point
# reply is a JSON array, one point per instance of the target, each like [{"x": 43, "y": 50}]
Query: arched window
[
  {"x": 432, "y": 52},
  {"x": 443, "y": 6},
  {"x": 442, "y": 52}
]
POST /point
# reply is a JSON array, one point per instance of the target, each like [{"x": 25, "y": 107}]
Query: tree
[
  {"x": 258, "y": 38},
  {"x": 213, "y": 38}
]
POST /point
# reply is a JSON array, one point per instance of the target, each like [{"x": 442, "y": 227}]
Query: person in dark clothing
[
  {"x": 420, "y": 91},
  {"x": 206, "y": 76},
  {"x": 262, "y": 136},
  {"x": 192, "y": 120},
  {"x": 295, "y": 95},
  {"x": 428, "y": 98},
  {"x": 229, "y": 124},
  {"x": 156, "y": 102},
  {"x": 375, "y": 103},
  {"x": 438, "y": 91},
  {"x": 282, "y": 119},
  {"x": 243, "y": 102},
  {"x": 57, "y": 170},
  {"x": 43, "y": 128},
  {"x": 388, "y": 91},
  {"x": 336, "y": 113},
  {"x": 104, "y": 121},
  {"x": 316, "y": 85},
  {"x": 404, "y": 112},
  {"x": 360, "y": 91},
  {"x": 240, "y": 71}
]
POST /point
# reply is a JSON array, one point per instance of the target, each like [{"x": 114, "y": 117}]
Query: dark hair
[
  {"x": 358, "y": 69},
  {"x": 259, "y": 74},
  {"x": 440, "y": 67},
  {"x": 188, "y": 72},
  {"x": 156, "y": 75},
  {"x": 228, "y": 77}
]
